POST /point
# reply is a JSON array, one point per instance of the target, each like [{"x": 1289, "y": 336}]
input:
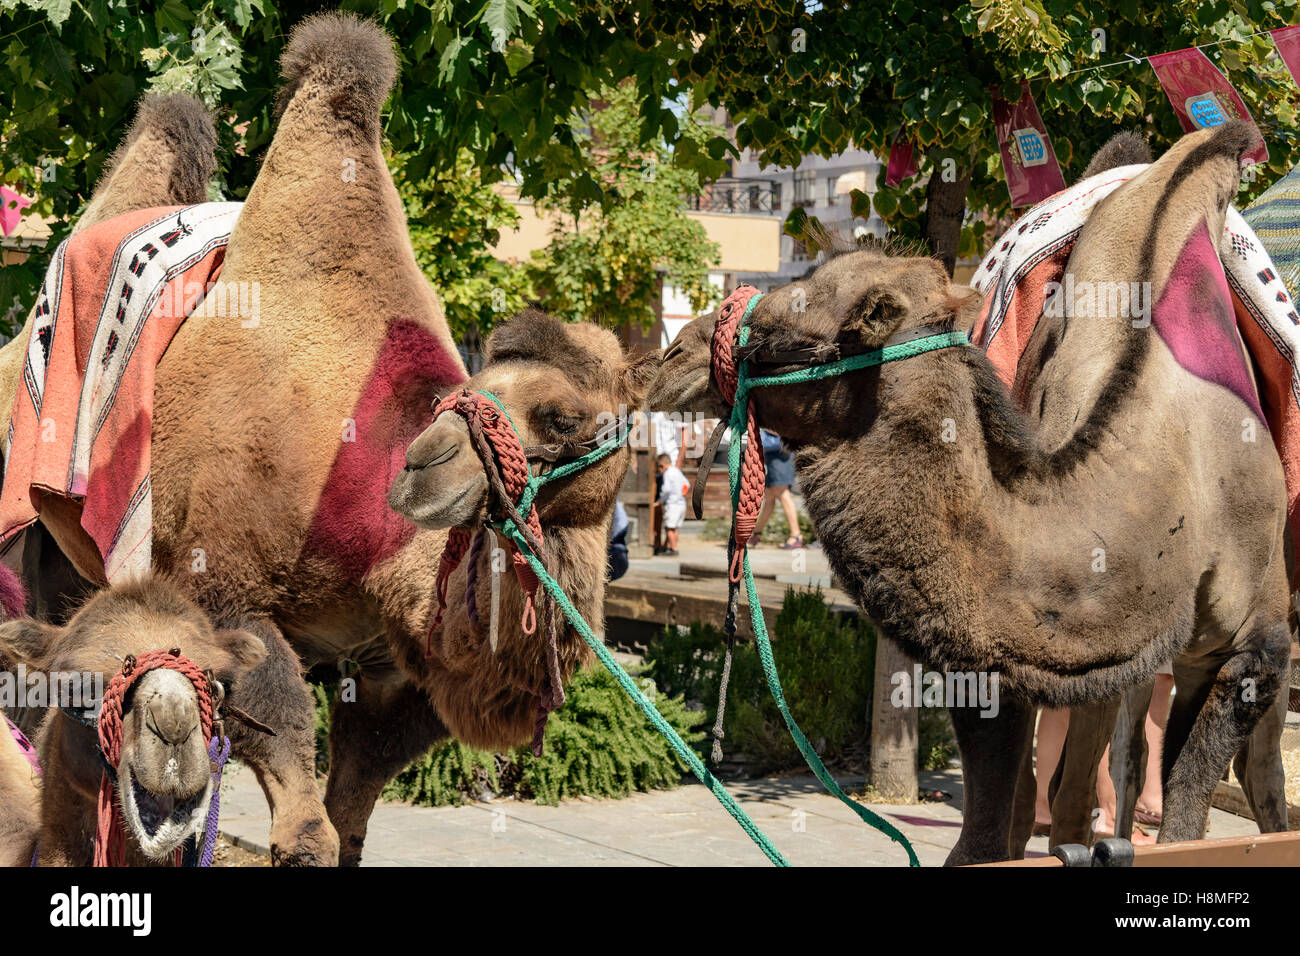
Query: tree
[
  {"x": 607, "y": 264},
  {"x": 799, "y": 82},
  {"x": 505, "y": 79}
]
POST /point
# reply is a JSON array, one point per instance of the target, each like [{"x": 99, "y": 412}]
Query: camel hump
[
  {"x": 351, "y": 58},
  {"x": 1127, "y": 148},
  {"x": 184, "y": 124}
]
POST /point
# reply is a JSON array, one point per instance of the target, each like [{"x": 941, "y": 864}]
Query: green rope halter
[{"x": 739, "y": 419}]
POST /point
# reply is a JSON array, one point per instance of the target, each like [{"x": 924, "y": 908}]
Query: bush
[
  {"x": 827, "y": 667},
  {"x": 598, "y": 744},
  {"x": 775, "y": 531}
]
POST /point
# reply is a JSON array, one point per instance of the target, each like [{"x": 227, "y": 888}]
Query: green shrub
[
  {"x": 598, "y": 744},
  {"x": 775, "y": 531},
  {"x": 827, "y": 667}
]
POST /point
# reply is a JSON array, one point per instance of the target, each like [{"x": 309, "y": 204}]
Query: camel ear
[
  {"x": 246, "y": 651},
  {"x": 635, "y": 376},
  {"x": 877, "y": 314},
  {"x": 26, "y": 641}
]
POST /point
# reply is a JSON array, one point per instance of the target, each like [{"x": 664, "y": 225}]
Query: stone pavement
[{"x": 681, "y": 827}]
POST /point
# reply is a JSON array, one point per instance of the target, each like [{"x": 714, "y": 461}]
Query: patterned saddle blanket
[
  {"x": 112, "y": 298},
  {"x": 1028, "y": 262}
]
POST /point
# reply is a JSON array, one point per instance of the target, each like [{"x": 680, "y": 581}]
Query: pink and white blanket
[
  {"x": 113, "y": 297},
  {"x": 1015, "y": 275}
]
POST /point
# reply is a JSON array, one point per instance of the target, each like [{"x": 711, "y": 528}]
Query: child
[{"x": 672, "y": 498}]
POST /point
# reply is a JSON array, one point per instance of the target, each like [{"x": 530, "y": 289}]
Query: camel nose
[
  {"x": 436, "y": 445},
  {"x": 172, "y": 718}
]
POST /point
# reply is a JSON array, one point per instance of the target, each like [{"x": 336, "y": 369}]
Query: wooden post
[{"x": 893, "y": 729}]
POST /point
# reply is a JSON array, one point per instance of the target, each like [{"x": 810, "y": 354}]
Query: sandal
[
  {"x": 1147, "y": 817},
  {"x": 797, "y": 543}
]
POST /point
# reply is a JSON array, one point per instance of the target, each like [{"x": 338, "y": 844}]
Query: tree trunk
[
  {"x": 893, "y": 729},
  {"x": 945, "y": 207}
]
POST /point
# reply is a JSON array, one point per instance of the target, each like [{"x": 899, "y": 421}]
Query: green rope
[
  {"x": 579, "y": 624},
  {"x": 739, "y": 424},
  {"x": 656, "y": 719}
]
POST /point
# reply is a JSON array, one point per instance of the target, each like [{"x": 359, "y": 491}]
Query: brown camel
[
  {"x": 276, "y": 438},
  {"x": 164, "y": 781},
  {"x": 980, "y": 553},
  {"x": 560, "y": 384}
]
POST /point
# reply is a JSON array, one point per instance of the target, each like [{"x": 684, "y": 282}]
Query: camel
[
  {"x": 164, "y": 780},
  {"x": 979, "y": 554},
  {"x": 560, "y": 384},
  {"x": 276, "y": 438}
]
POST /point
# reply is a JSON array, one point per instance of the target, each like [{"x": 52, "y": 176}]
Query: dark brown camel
[{"x": 979, "y": 553}]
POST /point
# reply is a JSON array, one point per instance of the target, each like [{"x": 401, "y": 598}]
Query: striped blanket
[
  {"x": 1014, "y": 279},
  {"x": 113, "y": 297},
  {"x": 1275, "y": 217}
]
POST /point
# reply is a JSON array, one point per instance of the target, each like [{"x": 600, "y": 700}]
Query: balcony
[{"x": 738, "y": 197}]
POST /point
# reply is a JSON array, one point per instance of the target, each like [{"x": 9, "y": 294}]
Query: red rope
[
  {"x": 512, "y": 465},
  {"x": 110, "y": 835},
  {"x": 753, "y": 474}
]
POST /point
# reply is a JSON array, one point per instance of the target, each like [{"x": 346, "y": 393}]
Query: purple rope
[
  {"x": 471, "y": 575},
  {"x": 218, "y": 753}
]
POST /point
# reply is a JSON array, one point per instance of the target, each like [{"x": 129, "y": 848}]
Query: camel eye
[{"x": 565, "y": 424}]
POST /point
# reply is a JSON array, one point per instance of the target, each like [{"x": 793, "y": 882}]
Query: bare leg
[
  {"x": 791, "y": 512},
  {"x": 275, "y": 693},
  {"x": 1052, "y": 726},
  {"x": 992, "y": 751},
  {"x": 1161, "y": 697},
  {"x": 769, "y": 505},
  {"x": 372, "y": 739}
]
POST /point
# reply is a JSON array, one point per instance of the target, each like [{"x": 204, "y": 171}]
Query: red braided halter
[
  {"x": 753, "y": 474},
  {"x": 507, "y": 454},
  {"x": 110, "y": 835}
]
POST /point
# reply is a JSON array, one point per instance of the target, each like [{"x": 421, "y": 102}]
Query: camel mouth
[
  {"x": 684, "y": 390},
  {"x": 417, "y": 495},
  {"x": 158, "y": 822}
]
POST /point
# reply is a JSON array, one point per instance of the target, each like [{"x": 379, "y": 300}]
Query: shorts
[
  {"x": 780, "y": 468},
  {"x": 674, "y": 513}
]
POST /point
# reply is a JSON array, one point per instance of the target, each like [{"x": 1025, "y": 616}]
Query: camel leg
[
  {"x": 1258, "y": 766},
  {"x": 275, "y": 693},
  {"x": 1022, "y": 812},
  {"x": 992, "y": 754},
  {"x": 372, "y": 738},
  {"x": 1128, "y": 753},
  {"x": 1075, "y": 783},
  {"x": 1235, "y": 700}
]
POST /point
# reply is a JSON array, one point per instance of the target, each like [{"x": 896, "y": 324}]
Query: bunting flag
[
  {"x": 1287, "y": 41},
  {"x": 1202, "y": 96},
  {"x": 1028, "y": 159},
  {"x": 902, "y": 162},
  {"x": 11, "y": 209}
]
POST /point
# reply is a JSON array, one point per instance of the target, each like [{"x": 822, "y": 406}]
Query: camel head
[
  {"x": 857, "y": 301},
  {"x": 560, "y": 384},
  {"x": 164, "y": 778}
]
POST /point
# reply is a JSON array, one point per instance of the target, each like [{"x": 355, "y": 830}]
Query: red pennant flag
[
  {"x": 11, "y": 209},
  {"x": 902, "y": 162},
  {"x": 1287, "y": 41},
  {"x": 1028, "y": 159},
  {"x": 1202, "y": 96}
]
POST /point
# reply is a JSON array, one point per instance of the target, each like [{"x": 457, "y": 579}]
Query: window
[
  {"x": 803, "y": 188},
  {"x": 831, "y": 198},
  {"x": 776, "y": 197}
]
